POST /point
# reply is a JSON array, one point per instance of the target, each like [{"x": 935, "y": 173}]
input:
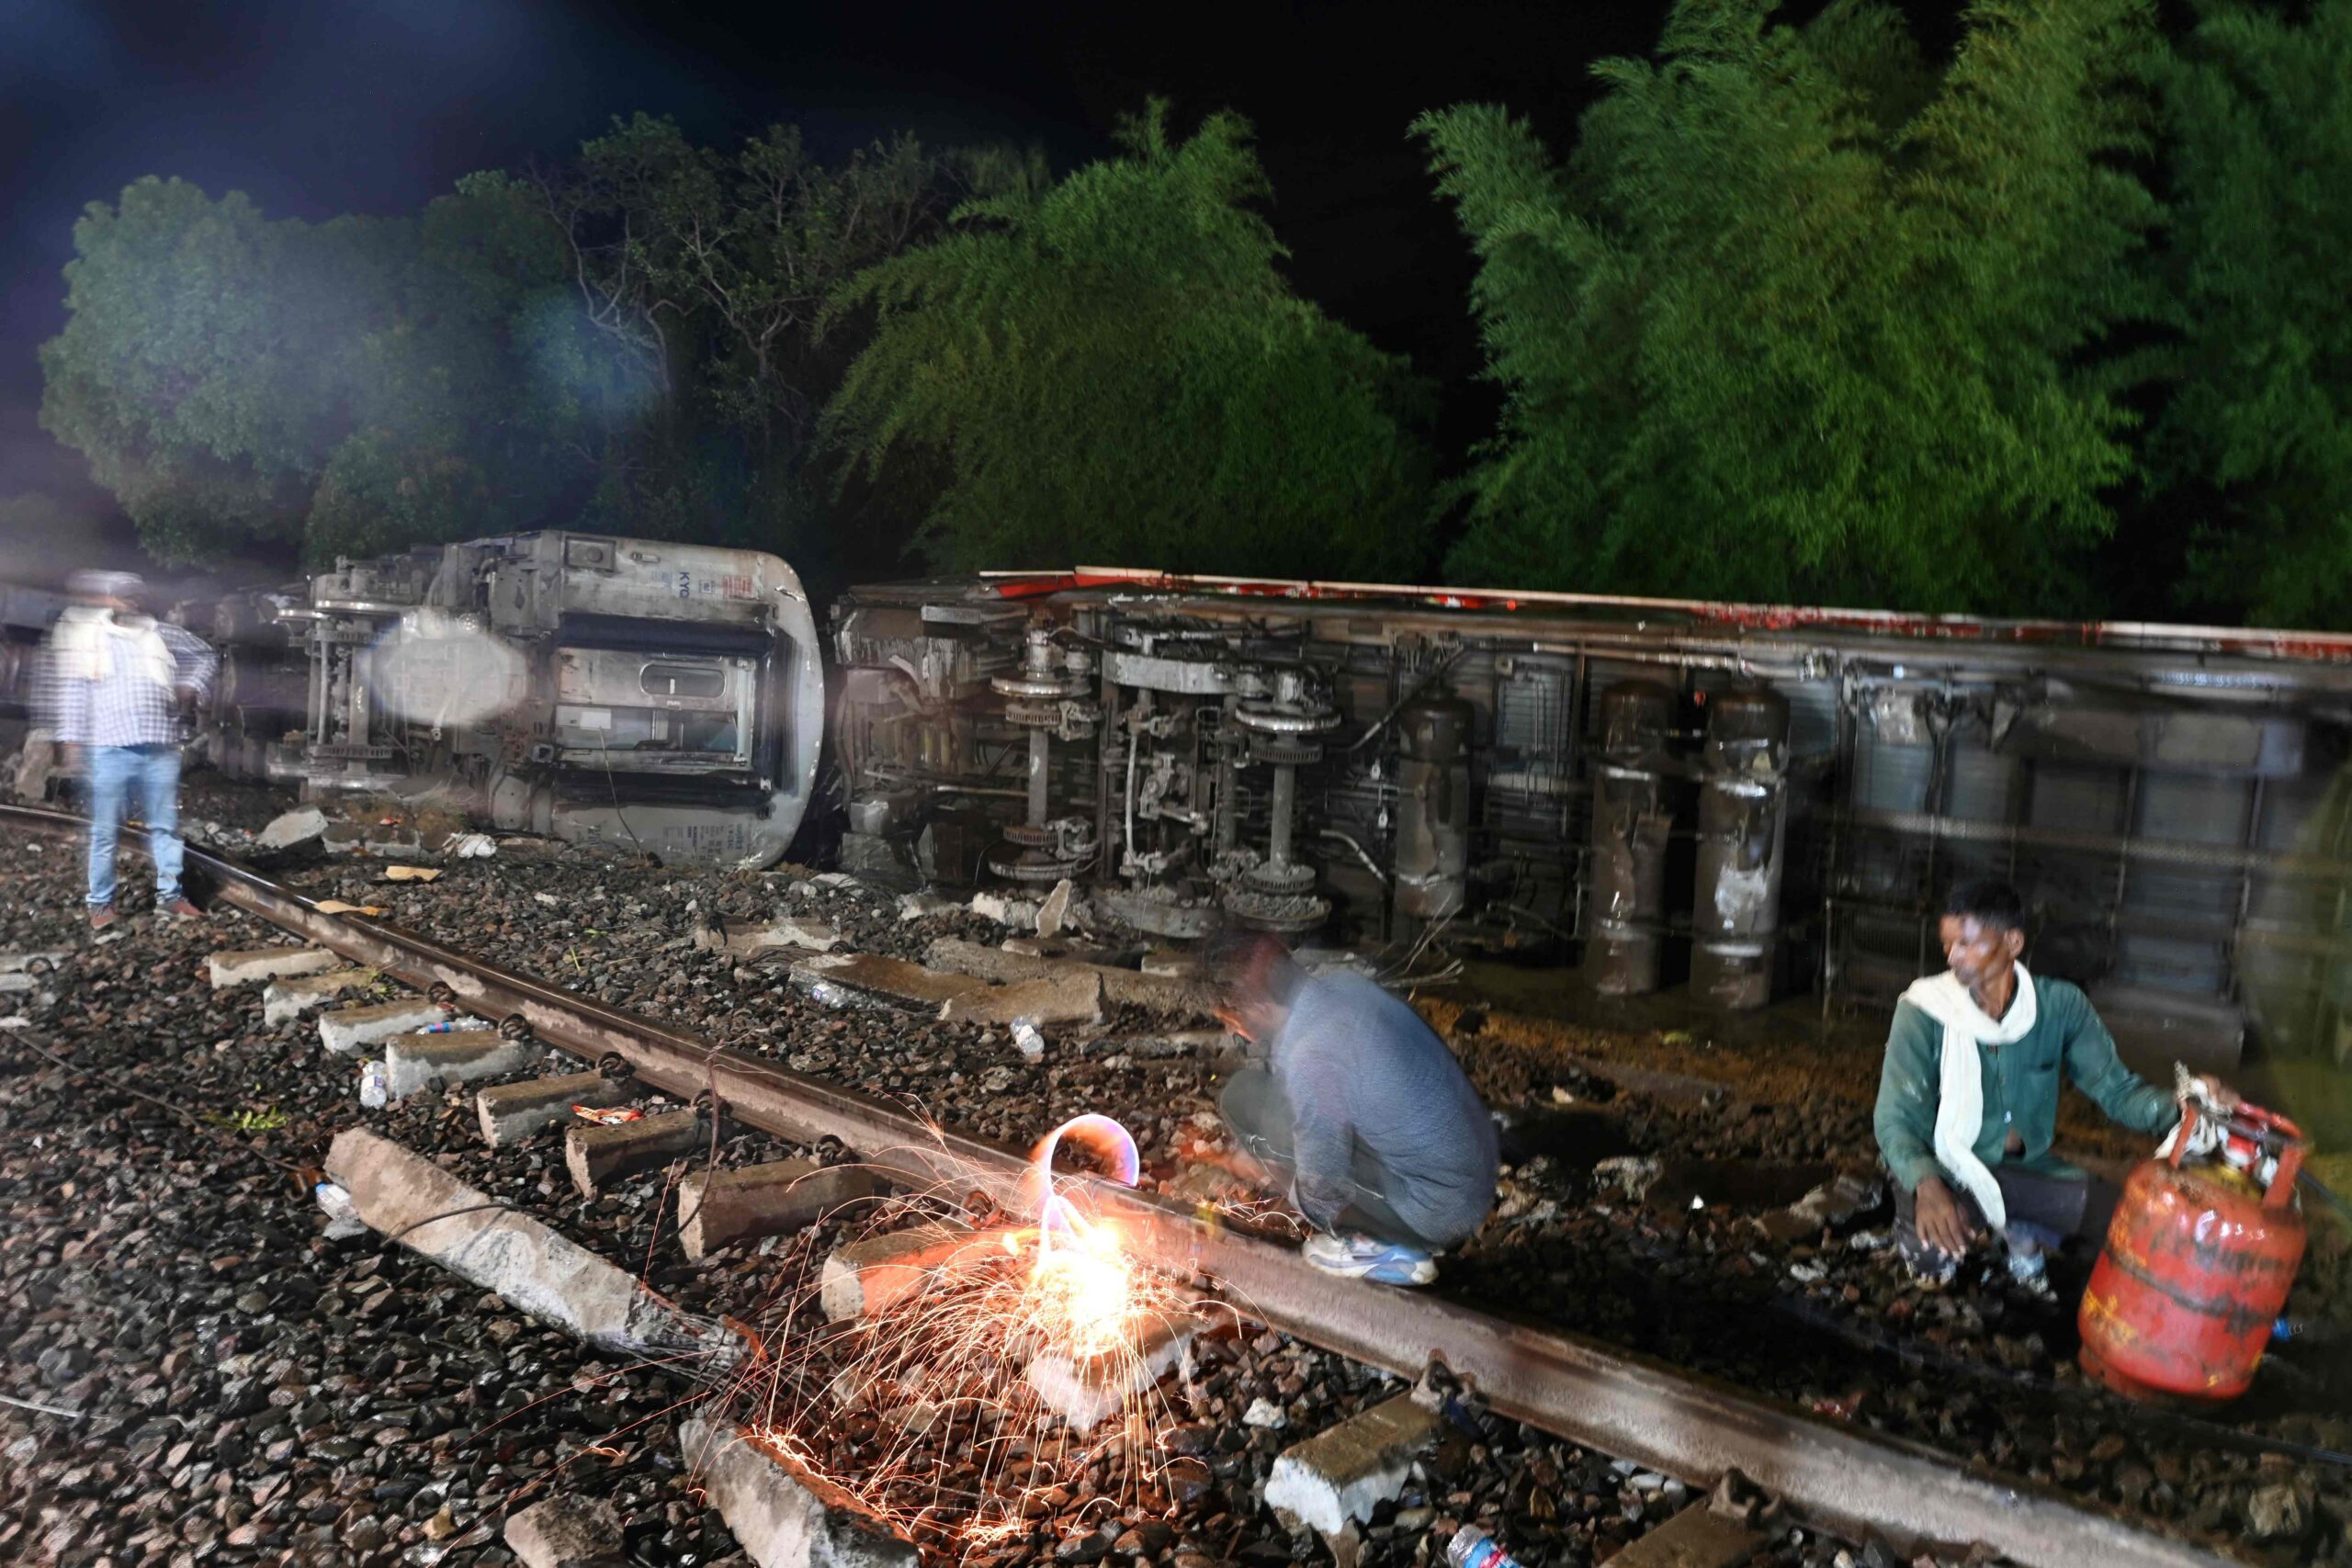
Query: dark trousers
[
  {"x": 1258, "y": 1115},
  {"x": 2045, "y": 1207}
]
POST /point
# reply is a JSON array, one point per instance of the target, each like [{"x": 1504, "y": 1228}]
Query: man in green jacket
[{"x": 1968, "y": 1098}]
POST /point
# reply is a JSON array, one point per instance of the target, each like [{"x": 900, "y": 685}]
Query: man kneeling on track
[
  {"x": 1385, "y": 1147},
  {"x": 1968, "y": 1099}
]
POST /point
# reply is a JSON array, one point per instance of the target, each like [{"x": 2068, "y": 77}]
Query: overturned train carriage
[
  {"x": 668, "y": 699},
  {"x": 1747, "y": 803}
]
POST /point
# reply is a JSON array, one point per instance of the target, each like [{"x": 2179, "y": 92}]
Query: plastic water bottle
[
  {"x": 375, "y": 1091},
  {"x": 1474, "y": 1548},
  {"x": 1025, "y": 1038},
  {"x": 343, "y": 1216}
]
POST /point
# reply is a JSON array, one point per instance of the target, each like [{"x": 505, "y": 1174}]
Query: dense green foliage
[
  {"x": 355, "y": 384},
  {"x": 1801, "y": 318},
  {"x": 1803, "y": 315},
  {"x": 2261, "y": 277},
  {"x": 626, "y": 344},
  {"x": 1114, "y": 369}
]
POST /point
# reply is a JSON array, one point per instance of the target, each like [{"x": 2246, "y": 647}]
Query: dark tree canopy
[
  {"x": 2259, "y": 113},
  {"x": 628, "y": 343},
  {"x": 1114, "y": 369},
  {"x": 1803, "y": 315},
  {"x": 1803, "y": 318}
]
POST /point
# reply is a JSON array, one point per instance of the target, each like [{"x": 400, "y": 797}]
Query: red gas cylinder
[{"x": 2198, "y": 1264}]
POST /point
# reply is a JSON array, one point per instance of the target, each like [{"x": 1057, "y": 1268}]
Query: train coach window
[{"x": 667, "y": 679}]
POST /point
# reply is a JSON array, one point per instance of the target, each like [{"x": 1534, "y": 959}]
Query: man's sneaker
[
  {"x": 101, "y": 916},
  {"x": 1362, "y": 1258},
  {"x": 181, "y": 909}
]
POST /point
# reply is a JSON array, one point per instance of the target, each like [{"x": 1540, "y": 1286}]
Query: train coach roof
[{"x": 1089, "y": 583}]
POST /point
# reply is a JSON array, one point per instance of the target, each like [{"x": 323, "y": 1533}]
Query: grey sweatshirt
[{"x": 1360, "y": 1068}]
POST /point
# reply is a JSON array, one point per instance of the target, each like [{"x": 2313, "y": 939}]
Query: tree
[
  {"x": 351, "y": 386},
  {"x": 627, "y": 344},
  {"x": 1113, "y": 369},
  {"x": 1802, "y": 318},
  {"x": 2259, "y": 113},
  {"x": 708, "y": 272}
]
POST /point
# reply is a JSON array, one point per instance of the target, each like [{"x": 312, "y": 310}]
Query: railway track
[{"x": 1846, "y": 1482}]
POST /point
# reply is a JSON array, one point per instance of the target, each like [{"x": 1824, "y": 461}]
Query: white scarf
[
  {"x": 1960, "y": 1108},
  {"x": 89, "y": 640}
]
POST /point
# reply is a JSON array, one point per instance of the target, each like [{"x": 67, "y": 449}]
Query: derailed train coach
[
  {"x": 1752, "y": 803},
  {"x": 658, "y": 697}
]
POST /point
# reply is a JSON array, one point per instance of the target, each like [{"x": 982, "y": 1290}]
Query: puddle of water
[{"x": 1573, "y": 1137}]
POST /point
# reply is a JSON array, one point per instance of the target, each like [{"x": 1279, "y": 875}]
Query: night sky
[{"x": 315, "y": 107}]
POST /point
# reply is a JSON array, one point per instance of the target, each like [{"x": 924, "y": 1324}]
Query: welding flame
[{"x": 1081, "y": 1286}]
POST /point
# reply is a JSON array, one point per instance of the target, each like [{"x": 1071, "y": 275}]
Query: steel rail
[{"x": 1847, "y": 1481}]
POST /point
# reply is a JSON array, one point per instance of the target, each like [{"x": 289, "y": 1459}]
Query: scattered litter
[
  {"x": 342, "y": 1215},
  {"x": 1866, "y": 1241},
  {"x": 1631, "y": 1174},
  {"x": 1028, "y": 1040},
  {"x": 1560, "y": 1096},
  {"x": 412, "y": 874},
  {"x": 550, "y": 899},
  {"x": 1806, "y": 1273},
  {"x": 15, "y": 1020},
  {"x": 375, "y": 1089},
  {"x": 454, "y": 1026},
  {"x": 1265, "y": 1414},
  {"x": 473, "y": 846},
  {"x": 337, "y": 907},
  {"x": 608, "y": 1115}
]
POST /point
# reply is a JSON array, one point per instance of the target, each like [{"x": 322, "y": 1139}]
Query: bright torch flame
[{"x": 1081, "y": 1288}]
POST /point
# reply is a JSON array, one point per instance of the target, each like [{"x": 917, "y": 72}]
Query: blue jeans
[{"x": 156, "y": 771}]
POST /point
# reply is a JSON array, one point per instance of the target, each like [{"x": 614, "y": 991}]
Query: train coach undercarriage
[
  {"x": 664, "y": 698},
  {"x": 1753, "y": 804}
]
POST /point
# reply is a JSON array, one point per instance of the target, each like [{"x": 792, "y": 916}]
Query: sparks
[{"x": 936, "y": 1410}]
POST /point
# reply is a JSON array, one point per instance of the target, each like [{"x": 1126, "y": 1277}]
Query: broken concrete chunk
[
  {"x": 1344, "y": 1472},
  {"x": 514, "y": 1110},
  {"x": 1831, "y": 1203},
  {"x": 247, "y": 965},
  {"x": 872, "y": 978},
  {"x": 1695, "y": 1537},
  {"x": 1087, "y": 1391},
  {"x": 567, "y": 1532},
  {"x": 600, "y": 1155},
  {"x": 299, "y": 827},
  {"x": 782, "y": 1519},
  {"x": 346, "y": 1030},
  {"x": 866, "y": 1276},
  {"x": 1053, "y": 913},
  {"x": 925, "y": 904},
  {"x": 1127, "y": 986},
  {"x": 1005, "y": 909},
  {"x": 1072, "y": 998},
  {"x": 298, "y": 994},
  {"x": 403, "y": 1195},
  {"x": 789, "y": 934},
  {"x": 1631, "y": 1175},
  {"x": 414, "y": 1062},
  {"x": 719, "y": 1208}
]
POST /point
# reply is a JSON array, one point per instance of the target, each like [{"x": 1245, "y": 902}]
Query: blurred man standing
[{"x": 114, "y": 682}]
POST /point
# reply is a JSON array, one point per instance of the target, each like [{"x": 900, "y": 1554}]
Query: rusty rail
[{"x": 1847, "y": 1481}]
